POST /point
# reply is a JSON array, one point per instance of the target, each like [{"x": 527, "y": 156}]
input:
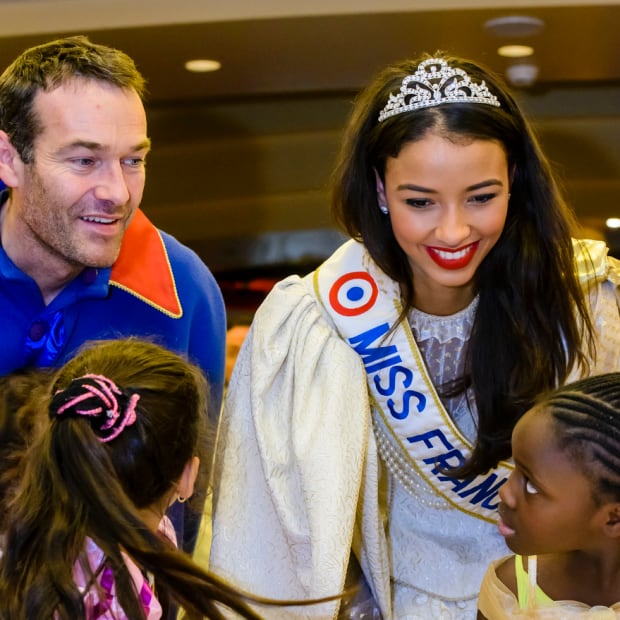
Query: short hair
[{"x": 48, "y": 66}]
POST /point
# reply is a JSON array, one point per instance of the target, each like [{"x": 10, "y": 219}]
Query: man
[{"x": 79, "y": 261}]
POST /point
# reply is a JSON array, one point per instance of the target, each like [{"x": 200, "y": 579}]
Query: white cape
[{"x": 307, "y": 450}]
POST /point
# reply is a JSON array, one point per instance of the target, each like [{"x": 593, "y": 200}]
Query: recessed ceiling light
[
  {"x": 202, "y": 65},
  {"x": 515, "y": 51},
  {"x": 612, "y": 222},
  {"x": 522, "y": 74},
  {"x": 514, "y": 26}
]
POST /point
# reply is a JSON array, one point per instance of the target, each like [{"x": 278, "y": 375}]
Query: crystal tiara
[{"x": 435, "y": 83}]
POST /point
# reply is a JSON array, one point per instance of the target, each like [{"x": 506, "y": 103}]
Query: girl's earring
[
  {"x": 384, "y": 209},
  {"x": 181, "y": 500}
]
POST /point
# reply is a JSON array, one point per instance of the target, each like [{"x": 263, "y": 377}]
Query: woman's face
[{"x": 447, "y": 201}]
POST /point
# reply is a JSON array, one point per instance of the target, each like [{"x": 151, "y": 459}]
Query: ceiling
[
  {"x": 276, "y": 48},
  {"x": 289, "y": 71}
]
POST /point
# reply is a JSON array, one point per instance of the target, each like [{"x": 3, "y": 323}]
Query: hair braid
[{"x": 587, "y": 416}]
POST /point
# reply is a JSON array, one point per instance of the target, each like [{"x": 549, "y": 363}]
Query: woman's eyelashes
[
  {"x": 476, "y": 199},
  {"x": 482, "y": 198}
]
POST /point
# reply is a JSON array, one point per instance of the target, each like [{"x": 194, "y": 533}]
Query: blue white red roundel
[{"x": 353, "y": 293}]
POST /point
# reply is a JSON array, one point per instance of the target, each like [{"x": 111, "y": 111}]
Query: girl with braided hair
[
  {"x": 86, "y": 531},
  {"x": 560, "y": 509}
]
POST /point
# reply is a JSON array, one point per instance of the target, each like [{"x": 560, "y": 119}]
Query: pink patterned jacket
[{"x": 100, "y": 600}]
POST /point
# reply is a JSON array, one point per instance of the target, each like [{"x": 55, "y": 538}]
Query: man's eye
[
  {"x": 530, "y": 488},
  {"x": 134, "y": 162}
]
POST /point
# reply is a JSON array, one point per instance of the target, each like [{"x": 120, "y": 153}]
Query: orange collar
[{"x": 143, "y": 269}]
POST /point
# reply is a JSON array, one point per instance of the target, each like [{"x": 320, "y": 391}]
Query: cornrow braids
[{"x": 586, "y": 415}]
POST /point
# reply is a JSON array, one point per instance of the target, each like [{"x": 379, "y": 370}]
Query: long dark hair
[
  {"x": 532, "y": 317},
  {"x": 23, "y": 396},
  {"x": 77, "y": 486}
]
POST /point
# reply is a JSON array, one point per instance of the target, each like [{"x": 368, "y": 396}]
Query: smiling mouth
[
  {"x": 453, "y": 259},
  {"x": 99, "y": 220}
]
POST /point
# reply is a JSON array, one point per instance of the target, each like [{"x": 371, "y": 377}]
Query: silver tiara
[{"x": 435, "y": 83}]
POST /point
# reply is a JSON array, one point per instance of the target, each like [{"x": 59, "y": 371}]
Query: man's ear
[
  {"x": 185, "y": 486},
  {"x": 611, "y": 527},
  {"x": 10, "y": 162}
]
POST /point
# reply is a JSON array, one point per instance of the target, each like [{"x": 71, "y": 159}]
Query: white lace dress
[{"x": 424, "y": 530}]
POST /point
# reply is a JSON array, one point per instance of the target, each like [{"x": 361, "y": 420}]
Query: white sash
[{"x": 364, "y": 303}]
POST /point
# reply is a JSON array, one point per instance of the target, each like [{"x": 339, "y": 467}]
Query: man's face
[{"x": 78, "y": 196}]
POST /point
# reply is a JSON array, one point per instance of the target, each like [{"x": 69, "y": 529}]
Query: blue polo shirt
[{"x": 158, "y": 289}]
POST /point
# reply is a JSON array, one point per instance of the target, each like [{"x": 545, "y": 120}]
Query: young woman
[
  {"x": 560, "y": 509},
  {"x": 374, "y": 400}
]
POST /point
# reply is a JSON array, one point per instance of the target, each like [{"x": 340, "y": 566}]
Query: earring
[
  {"x": 384, "y": 209},
  {"x": 181, "y": 500}
]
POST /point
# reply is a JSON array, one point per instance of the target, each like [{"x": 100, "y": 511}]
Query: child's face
[{"x": 547, "y": 503}]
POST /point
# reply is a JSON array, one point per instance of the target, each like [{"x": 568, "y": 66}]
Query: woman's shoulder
[{"x": 593, "y": 263}]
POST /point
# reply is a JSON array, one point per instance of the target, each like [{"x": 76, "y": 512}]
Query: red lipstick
[{"x": 453, "y": 259}]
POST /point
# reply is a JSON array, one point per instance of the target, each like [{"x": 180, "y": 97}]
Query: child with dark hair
[
  {"x": 560, "y": 509},
  {"x": 20, "y": 418},
  {"x": 86, "y": 531}
]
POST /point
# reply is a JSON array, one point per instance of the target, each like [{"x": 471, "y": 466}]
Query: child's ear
[
  {"x": 612, "y": 524},
  {"x": 185, "y": 486}
]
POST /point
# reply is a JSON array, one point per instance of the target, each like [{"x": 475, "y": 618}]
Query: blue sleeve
[
  {"x": 208, "y": 341},
  {"x": 205, "y": 313}
]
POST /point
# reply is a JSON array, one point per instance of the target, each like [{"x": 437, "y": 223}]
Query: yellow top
[{"x": 526, "y": 582}]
